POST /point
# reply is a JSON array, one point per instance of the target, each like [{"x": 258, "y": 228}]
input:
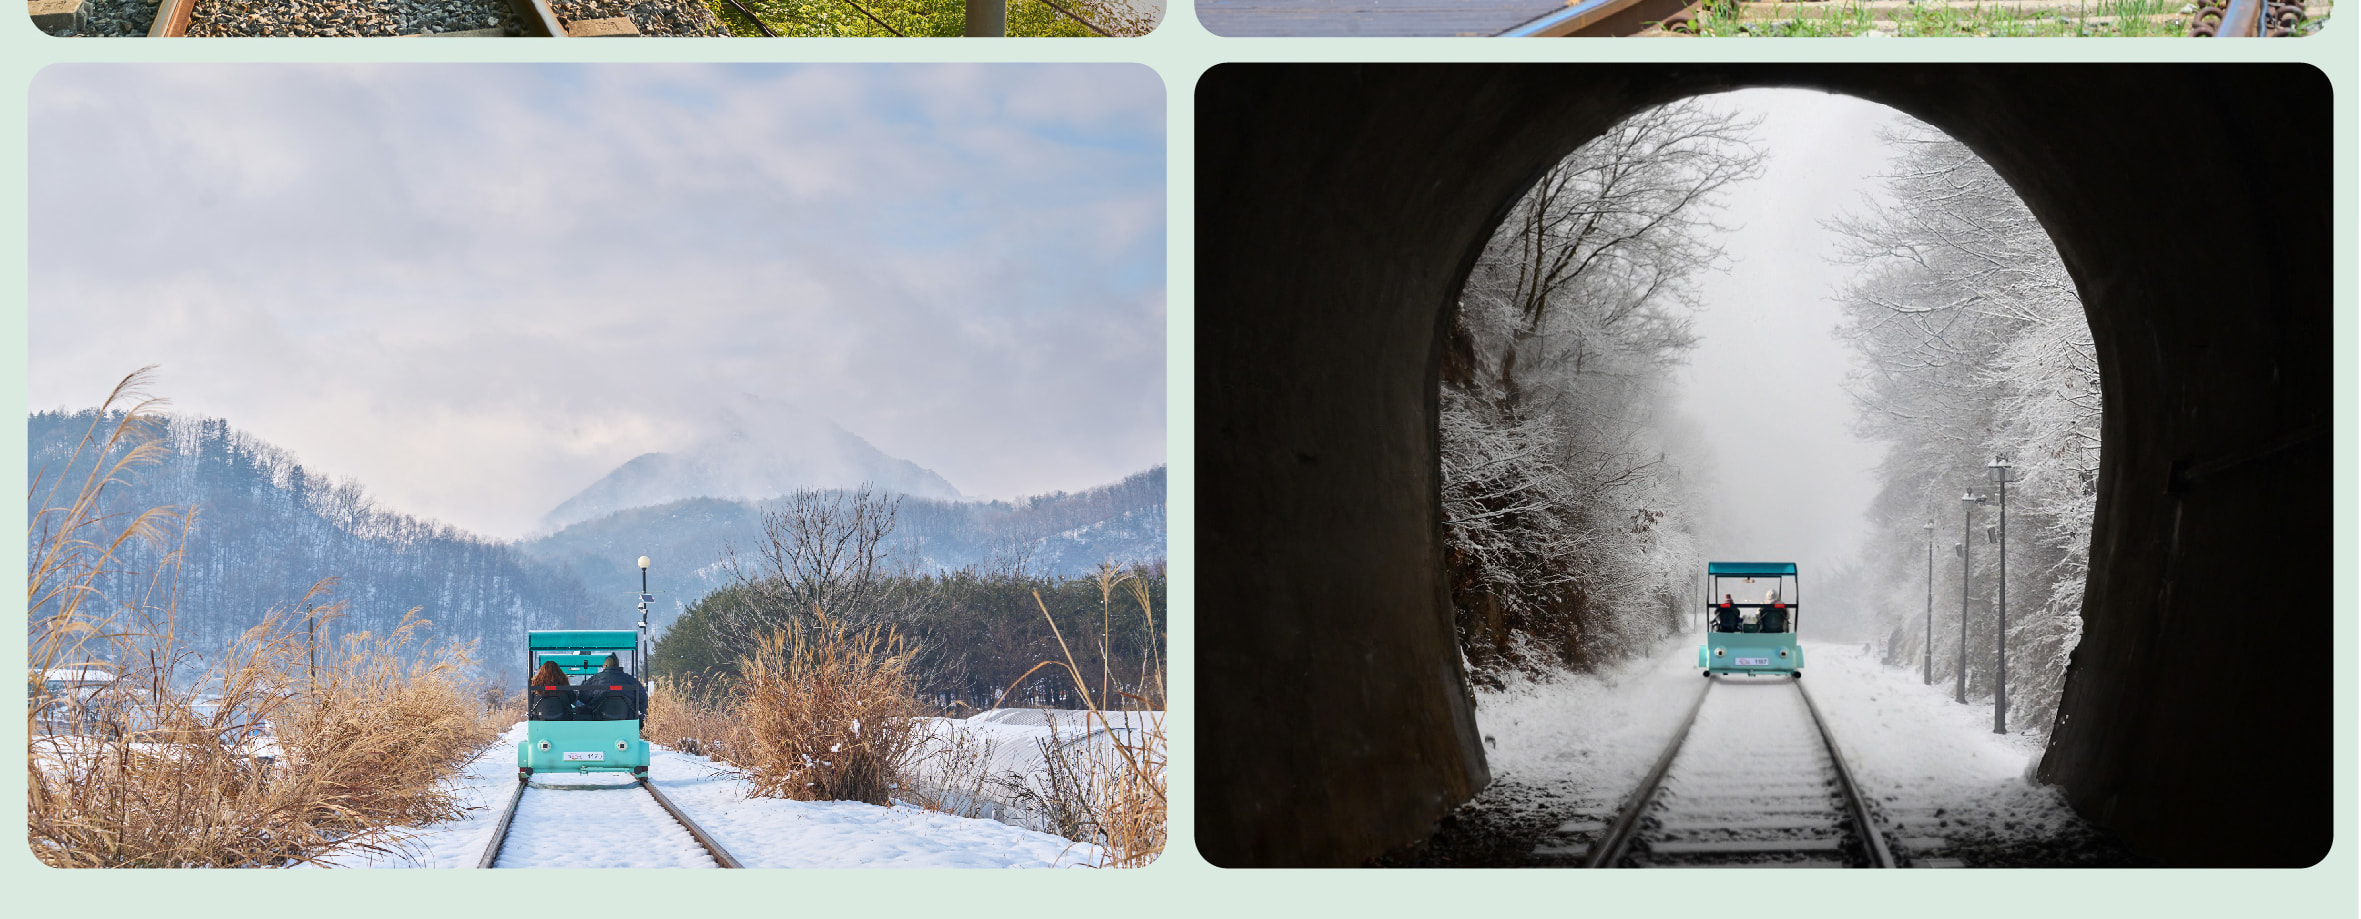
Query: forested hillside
[
  {"x": 1973, "y": 344},
  {"x": 972, "y": 633},
  {"x": 1570, "y": 529},
  {"x": 262, "y": 529},
  {"x": 1053, "y": 535}
]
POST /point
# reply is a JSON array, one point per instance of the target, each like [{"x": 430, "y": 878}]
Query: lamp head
[
  {"x": 1998, "y": 468},
  {"x": 643, "y": 563}
]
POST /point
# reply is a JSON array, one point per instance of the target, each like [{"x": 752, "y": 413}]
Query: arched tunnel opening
[{"x": 1342, "y": 207}]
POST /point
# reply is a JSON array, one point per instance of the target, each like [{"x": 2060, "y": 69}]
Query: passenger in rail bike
[
  {"x": 611, "y": 694},
  {"x": 551, "y": 695},
  {"x": 1773, "y": 616}
]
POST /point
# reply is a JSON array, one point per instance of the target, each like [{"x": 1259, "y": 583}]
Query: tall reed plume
[{"x": 259, "y": 753}]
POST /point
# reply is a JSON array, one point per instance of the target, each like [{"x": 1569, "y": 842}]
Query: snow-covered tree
[
  {"x": 1568, "y": 537},
  {"x": 1973, "y": 344}
]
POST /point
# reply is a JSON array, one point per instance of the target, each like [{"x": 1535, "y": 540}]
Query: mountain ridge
[{"x": 762, "y": 450}]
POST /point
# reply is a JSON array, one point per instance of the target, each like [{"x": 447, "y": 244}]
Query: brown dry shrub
[
  {"x": 379, "y": 729},
  {"x": 952, "y": 771},
  {"x": 176, "y": 764},
  {"x": 241, "y": 760},
  {"x": 690, "y": 718},
  {"x": 1113, "y": 794},
  {"x": 826, "y": 713},
  {"x": 1132, "y": 813}
]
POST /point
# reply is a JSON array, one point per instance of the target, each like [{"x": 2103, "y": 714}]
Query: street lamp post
[
  {"x": 644, "y": 599},
  {"x": 1930, "y": 665},
  {"x": 1967, "y": 527},
  {"x": 1999, "y": 468}
]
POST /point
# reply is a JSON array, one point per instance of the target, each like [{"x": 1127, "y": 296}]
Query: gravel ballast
[
  {"x": 653, "y": 17},
  {"x": 111, "y": 19},
  {"x": 215, "y": 18}
]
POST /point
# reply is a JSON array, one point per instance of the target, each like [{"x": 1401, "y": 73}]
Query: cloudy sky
[
  {"x": 476, "y": 289},
  {"x": 1765, "y": 383}
]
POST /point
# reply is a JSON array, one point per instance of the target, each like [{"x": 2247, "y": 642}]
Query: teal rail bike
[
  {"x": 1752, "y": 612},
  {"x": 581, "y": 727}
]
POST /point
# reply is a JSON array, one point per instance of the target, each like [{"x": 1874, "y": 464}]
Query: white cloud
[{"x": 476, "y": 288}]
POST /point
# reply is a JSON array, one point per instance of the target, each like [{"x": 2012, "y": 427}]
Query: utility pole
[
  {"x": 1929, "y": 679},
  {"x": 2000, "y": 475},
  {"x": 639, "y": 654},
  {"x": 1967, "y": 529}
]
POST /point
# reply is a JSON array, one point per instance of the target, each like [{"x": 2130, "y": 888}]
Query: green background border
[{"x": 1182, "y": 883}]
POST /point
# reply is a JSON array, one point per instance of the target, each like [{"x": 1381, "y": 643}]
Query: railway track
[
  {"x": 637, "y": 824},
  {"x": 1752, "y": 778}
]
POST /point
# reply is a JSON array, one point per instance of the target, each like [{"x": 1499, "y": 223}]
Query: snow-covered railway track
[
  {"x": 598, "y": 821},
  {"x": 1752, "y": 778}
]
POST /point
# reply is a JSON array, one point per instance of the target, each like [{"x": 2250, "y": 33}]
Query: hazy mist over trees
[
  {"x": 1577, "y": 498},
  {"x": 1571, "y": 531},
  {"x": 1973, "y": 344}
]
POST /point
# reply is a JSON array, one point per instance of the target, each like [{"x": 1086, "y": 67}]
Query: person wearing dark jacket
[
  {"x": 611, "y": 694},
  {"x": 551, "y": 697}
]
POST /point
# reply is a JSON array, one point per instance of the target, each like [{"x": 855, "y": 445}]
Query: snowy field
[
  {"x": 1010, "y": 747},
  {"x": 1564, "y": 753},
  {"x": 583, "y": 821},
  {"x": 1944, "y": 785}
]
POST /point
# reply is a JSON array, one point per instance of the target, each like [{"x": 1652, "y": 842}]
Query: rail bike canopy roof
[
  {"x": 1749, "y": 569},
  {"x": 584, "y": 640}
]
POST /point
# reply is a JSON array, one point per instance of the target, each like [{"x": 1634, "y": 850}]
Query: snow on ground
[
  {"x": 483, "y": 789},
  {"x": 1002, "y": 748},
  {"x": 774, "y": 833},
  {"x": 1564, "y": 753},
  {"x": 598, "y": 820},
  {"x": 1015, "y": 736},
  {"x": 1596, "y": 733},
  {"x": 1943, "y": 783}
]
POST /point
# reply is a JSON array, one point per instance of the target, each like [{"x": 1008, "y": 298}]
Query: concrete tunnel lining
[{"x": 1339, "y": 209}]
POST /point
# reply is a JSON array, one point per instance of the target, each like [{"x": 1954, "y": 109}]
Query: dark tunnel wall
[{"x": 1339, "y": 209}]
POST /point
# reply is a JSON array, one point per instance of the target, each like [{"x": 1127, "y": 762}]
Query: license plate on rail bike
[
  {"x": 1742, "y": 662},
  {"x": 596, "y": 756}
]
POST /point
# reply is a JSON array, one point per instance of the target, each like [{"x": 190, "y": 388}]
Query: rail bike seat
[
  {"x": 610, "y": 706},
  {"x": 551, "y": 703},
  {"x": 609, "y": 696}
]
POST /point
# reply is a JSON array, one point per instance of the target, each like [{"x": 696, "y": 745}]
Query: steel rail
[
  {"x": 1598, "y": 17},
  {"x": 757, "y": 20},
  {"x": 2243, "y": 19},
  {"x": 713, "y": 847},
  {"x": 1872, "y": 841},
  {"x": 1613, "y": 843},
  {"x": 500, "y": 830}
]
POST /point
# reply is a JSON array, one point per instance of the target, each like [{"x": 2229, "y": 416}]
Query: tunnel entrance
[{"x": 1342, "y": 208}]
